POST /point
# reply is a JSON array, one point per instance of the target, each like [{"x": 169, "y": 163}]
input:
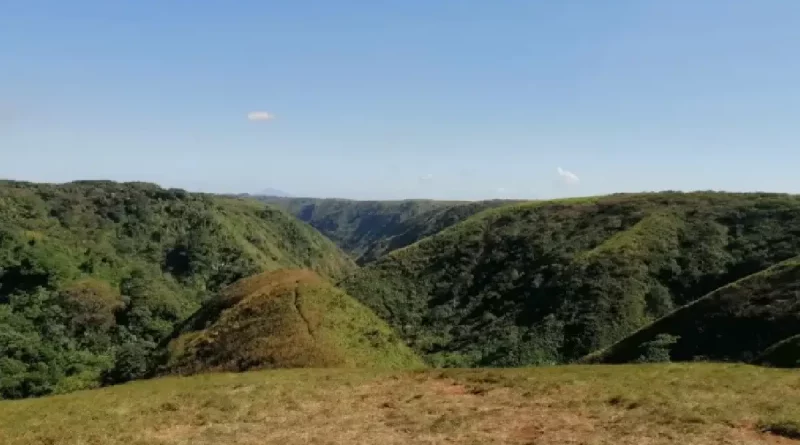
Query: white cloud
[
  {"x": 260, "y": 116},
  {"x": 568, "y": 177},
  {"x": 426, "y": 177}
]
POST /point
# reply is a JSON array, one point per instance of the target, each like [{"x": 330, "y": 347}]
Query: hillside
[
  {"x": 785, "y": 354},
  {"x": 94, "y": 274},
  {"x": 369, "y": 229},
  {"x": 285, "y": 319},
  {"x": 737, "y": 322},
  {"x": 549, "y": 282},
  {"x": 697, "y": 404}
]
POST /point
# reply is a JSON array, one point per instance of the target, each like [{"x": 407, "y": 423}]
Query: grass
[
  {"x": 286, "y": 319},
  {"x": 628, "y": 404}
]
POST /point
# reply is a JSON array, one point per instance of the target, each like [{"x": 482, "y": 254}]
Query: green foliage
[
  {"x": 549, "y": 282},
  {"x": 737, "y": 322},
  {"x": 285, "y": 319},
  {"x": 370, "y": 229},
  {"x": 132, "y": 360},
  {"x": 94, "y": 274},
  {"x": 658, "y": 349},
  {"x": 785, "y": 353}
]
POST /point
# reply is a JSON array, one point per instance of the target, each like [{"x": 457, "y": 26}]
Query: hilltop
[
  {"x": 94, "y": 274},
  {"x": 552, "y": 281},
  {"x": 285, "y": 319},
  {"x": 698, "y": 404},
  {"x": 370, "y": 229}
]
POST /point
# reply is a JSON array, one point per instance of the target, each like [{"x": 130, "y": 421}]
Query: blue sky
[{"x": 396, "y": 99}]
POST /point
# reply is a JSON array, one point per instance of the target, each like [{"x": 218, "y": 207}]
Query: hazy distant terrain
[{"x": 369, "y": 229}]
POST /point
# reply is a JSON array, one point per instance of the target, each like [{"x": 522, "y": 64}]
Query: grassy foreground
[{"x": 626, "y": 404}]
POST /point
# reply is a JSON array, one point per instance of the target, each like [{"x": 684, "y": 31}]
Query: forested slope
[
  {"x": 553, "y": 281},
  {"x": 94, "y": 274},
  {"x": 737, "y": 322},
  {"x": 369, "y": 229},
  {"x": 785, "y": 353}
]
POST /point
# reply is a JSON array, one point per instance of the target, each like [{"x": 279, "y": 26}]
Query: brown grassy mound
[{"x": 285, "y": 319}]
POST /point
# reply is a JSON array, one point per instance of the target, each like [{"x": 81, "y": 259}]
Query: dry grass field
[{"x": 628, "y": 404}]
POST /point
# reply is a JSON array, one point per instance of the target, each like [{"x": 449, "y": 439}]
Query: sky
[{"x": 444, "y": 99}]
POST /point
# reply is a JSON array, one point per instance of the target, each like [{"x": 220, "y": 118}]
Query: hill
[
  {"x": 94, "y": 274},
  {"x": 285, "y": 319},
  {"x": 369, "y": 229},
  {"x": 549, "y": 282},
  {"x": 737, "y": 322},
  {"x": 699, "y": 404}
]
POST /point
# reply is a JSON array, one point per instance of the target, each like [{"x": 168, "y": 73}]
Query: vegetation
[
  {"x": 632, "y": 404},
  {"x": 737, "y": 322},
  {"x": 285, "y": 319},
  {"x": 370, "y": 229},
  {"x": 549, "y": 282},
  {"x": 94, "y": 274},
  {"x": 785, "y": 353},
  {"x": 102, "y": 283}
]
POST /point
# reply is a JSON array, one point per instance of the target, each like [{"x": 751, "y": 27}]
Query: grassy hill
[
  {"x": 369, "y": 229},
  {"x": 285, "y": 319},
  {"x": 737, "y": 322},
  {"x": 549, "y": 282},
  {"x": 94, "y": 274},
  {"x": 698, "y": 404}
]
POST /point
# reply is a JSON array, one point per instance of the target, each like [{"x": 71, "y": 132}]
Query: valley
[{"x": 614, "y": 319}]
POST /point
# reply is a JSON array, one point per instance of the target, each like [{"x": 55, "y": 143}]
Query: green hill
[
  {"x": 285, "y": 319},
  {"x": 737, "y": 322},
  {"x": 656, "y": 404},
  {"x": 369, "y": 229},
  {"x": 94, "y": 274},
  {"x": 549, "y": 282}
]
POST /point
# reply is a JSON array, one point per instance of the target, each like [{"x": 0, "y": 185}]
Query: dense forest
[
  {"x": 370, "y": 229},
  {"x": 94, "y": 274},
  {"x": 752, "y": 319},
  {"x": 104, "y": 282},
  {"x": 549, "y": 282}
]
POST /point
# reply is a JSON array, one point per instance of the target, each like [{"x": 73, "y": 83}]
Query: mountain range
[{"x": 104, "y": 282}]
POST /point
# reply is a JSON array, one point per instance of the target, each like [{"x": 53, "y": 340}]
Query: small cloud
[
  {"x": 426, "y": 178},
  {"x": 568, "y": 177},
  {"x": 260, "y": 116},
  {"x": 500, "y": 190}
]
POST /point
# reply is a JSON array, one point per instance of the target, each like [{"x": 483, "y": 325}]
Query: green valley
[
  {"x": 549, "y": 282},
  {"x": 103, "y": 282},
  {"x": 370, "y": 229}
]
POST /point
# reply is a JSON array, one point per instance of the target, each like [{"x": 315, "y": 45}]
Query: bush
[{"x": 658, "y": 350}]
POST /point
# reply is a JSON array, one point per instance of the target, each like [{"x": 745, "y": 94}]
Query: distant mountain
[
  {"x": 273, "y": 192},
  {"x": 369, "y": 229}
]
